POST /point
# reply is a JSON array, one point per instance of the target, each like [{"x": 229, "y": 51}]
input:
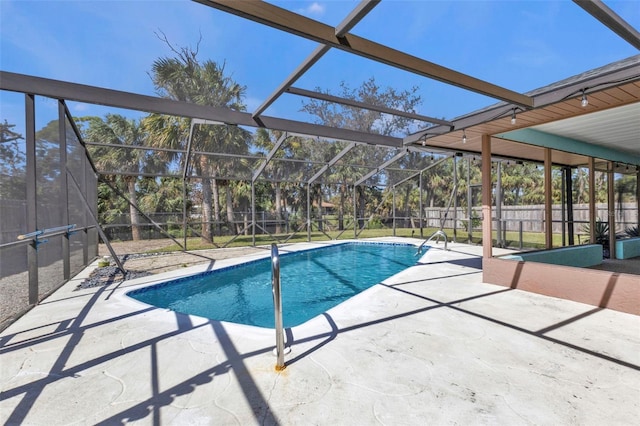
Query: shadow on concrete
[{"x": 72, "y": 330}]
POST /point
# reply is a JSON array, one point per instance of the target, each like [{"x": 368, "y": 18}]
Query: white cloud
[
  {"x": 252, "y": 103},
  {"x": 314, "y": 9},
  {"x": 80, "y": 107}
]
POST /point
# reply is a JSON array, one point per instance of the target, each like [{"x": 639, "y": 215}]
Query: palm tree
[
  {"x": 125, "y": 135},
  {"x": 185, "y": 78}
]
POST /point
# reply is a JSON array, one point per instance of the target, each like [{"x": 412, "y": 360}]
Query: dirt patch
[
  {"x": 129, "y": 247},
  {"x": 163, "y": 262}
]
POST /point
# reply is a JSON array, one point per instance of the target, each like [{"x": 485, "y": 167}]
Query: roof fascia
[
  {"x": 542, "y": 97},
  {"x": 561, "y": 143}
]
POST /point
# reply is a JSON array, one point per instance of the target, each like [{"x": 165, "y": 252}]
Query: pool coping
[{"x": 310, "y": 326}]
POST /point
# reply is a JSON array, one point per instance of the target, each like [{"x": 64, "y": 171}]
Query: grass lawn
[{"x": 531, "y": 240}]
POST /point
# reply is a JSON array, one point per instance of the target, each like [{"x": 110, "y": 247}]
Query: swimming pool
[{"x": 313, "y": 281}]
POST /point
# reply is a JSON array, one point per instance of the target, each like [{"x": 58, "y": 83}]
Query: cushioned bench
[
  {"x": 580, "y": 256},
  {"x": 628, "y": 248}
]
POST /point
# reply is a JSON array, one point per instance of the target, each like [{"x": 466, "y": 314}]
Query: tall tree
[
  {"x": 12, "y": 163},
  {"x": 364, "y": 120},
  {"x": 124, "y": 135},
  {"x": 183, "y": 77}
]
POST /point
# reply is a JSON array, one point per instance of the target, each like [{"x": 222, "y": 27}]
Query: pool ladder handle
[
  {"x": 277, "y": 306},
  {"x": 439, "y": 233}
]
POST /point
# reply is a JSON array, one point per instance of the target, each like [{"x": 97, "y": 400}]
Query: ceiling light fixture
[
  {"x": 584, "y": 101},
  {"x": 513, "y": 117},
  {"x": 464, "y": 136}
]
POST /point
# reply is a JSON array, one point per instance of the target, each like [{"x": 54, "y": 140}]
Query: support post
[
  {"x": 638, "y": 195},
  {"x": 355, "y": 212},
  {"x": 499, "y": 241},
  {"x": 421, "y": 208},
  {"x": 87, "y": 170},
  {"x": 253, "y": 214},
  {"x": 64, "y": 195},
  {"x": 611, "y": 207},
  {"x": 393, "y": 194},
  {"x": 592, "y": 200},
  {"x": 569, "y": 198},
  {"x": 455, "y": 199},
  {"x": 562, "y": 207},
  {"x": 469, "y": 202},
  {"x": 308, "y": 212},
  {"x": 31, "y": 191},
  {"x": 487, "y": 249},
  {"x": 184, "y": 211},
  {"x": 548, "y": 219}
]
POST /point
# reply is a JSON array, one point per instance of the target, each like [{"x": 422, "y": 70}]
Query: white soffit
[{"x": 617, "y": 128}]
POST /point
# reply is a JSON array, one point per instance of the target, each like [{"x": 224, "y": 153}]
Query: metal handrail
[
  {"x": 37, "y": 235},
  {"x": 46, "y": 232},
  {"x": 29, "y": 239},
  {"x": 438, "y": 233},
  {"x": 277, "y": 305}
]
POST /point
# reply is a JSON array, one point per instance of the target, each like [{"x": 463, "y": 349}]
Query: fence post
[{"x": 520, "y": 233}]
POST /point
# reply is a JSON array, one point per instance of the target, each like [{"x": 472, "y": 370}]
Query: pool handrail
[
  {"x": 439, "y": 233},
  {"x": 277, "y": 305}
]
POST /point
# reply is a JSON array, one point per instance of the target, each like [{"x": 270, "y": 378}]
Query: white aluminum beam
[
  {"x": 273, "y": 151},
  {"x": 285, "y": 20},
  {"x": 349, "y": 22},
  {"x": 382, "y": 166},
  {"x": 364, "y": 105},
  {"x": 612, "y": 20},
  {"x": 333, "y": 161},
  {"x": 317, "y": 53},
  {"x": 442, "y": 160},
  {"x": 100, "y": 96}
]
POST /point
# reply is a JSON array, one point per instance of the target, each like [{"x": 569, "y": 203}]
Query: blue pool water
[{"x": 313, "y": 281}]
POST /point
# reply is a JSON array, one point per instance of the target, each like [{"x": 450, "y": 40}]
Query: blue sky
[{"x": 521, "y": 45}]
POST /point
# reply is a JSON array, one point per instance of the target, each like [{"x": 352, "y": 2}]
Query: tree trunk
[
  {"x": 206, "y": 211},
  {"x": 229, "y": 206},
  {"x": 278, "y": 208},
  {"x": 407, "y": 207},
  {"x": 216, "y": 204},
  {"x": 361, "y": 207},
  {"x": 133, "y": 212},
  {"x": 343, "y": 189},
  {"x": 320, "y": 210}
]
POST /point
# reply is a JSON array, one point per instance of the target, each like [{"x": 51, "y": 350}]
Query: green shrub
[{"x": 632, "y": 231}]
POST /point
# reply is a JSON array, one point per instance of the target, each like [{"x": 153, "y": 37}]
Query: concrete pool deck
[{"x": 431, "y": 345}]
